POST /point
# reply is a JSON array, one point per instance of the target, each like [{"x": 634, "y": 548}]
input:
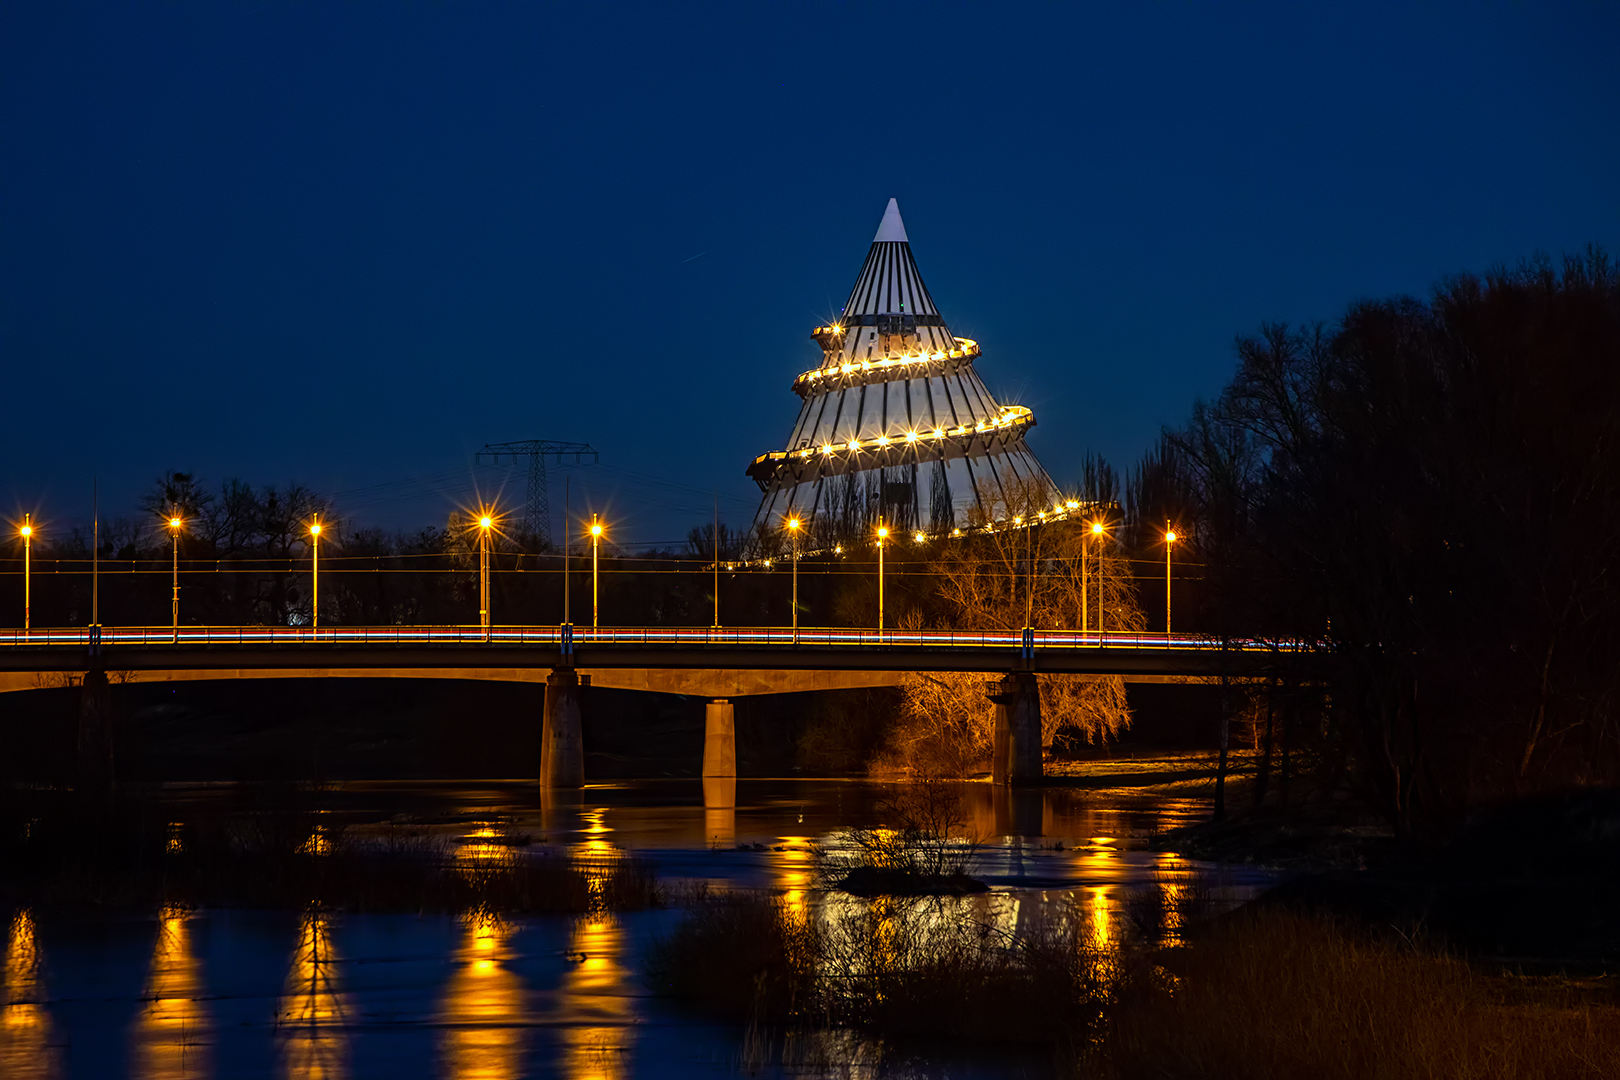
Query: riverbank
[{"x": 1527, "y": 885}]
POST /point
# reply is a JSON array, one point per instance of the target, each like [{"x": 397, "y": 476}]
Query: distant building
[{"x": 896, "y": 423}]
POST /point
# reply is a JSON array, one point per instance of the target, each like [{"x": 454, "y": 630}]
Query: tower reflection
[
  {"x": 483, "y": 1009},
  {"x": 172, "y": 1033},
  {"x": 25, "y": 1029},
  {"x": 310, "y": 1022}
]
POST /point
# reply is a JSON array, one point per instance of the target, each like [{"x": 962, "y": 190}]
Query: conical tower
[{"x": 895, "y": 422}]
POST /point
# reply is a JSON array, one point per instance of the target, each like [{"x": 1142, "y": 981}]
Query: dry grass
[
  {"x": 1272, "y": 995},
  {"x": 1263, "y": 994},
  {"x": 913, "y": 968},
  {"x": 744, "y": 955}
]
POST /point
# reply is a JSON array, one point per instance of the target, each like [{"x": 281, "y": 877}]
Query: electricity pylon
[{"x": 537, "y": 509}]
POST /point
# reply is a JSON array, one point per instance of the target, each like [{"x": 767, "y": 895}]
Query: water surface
[{"x": 240, "y": 993}]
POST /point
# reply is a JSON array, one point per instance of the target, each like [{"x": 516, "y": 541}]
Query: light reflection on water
[
  {"x": 485, "y": 1009},
  {"x": 311, "y": 1025},
  {"x": 487, "y": 999},
  {"x": 26, "y": 1047},
  {"x": 600, "y": 1011},
  {"x": 173, "y": 1033}
]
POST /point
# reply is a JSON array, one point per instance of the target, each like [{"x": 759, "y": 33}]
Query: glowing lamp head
[
  {"x": 174, "y": 523},
  {"x": 793, "y": 523},
  {"x": 1170, "y": 537},
  {"x": 920, "y": 538},
  {"x": 883, "y": 533},
  {"x": 28, "y": 530},
  {"x": 314, "y": 530},
  {"x": 485, "y": 522},
  {"x": 596, "y": 530},
  {"x": 1096, "y": 528}
]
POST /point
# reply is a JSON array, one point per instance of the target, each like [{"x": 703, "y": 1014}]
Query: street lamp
[
  {"x": 174, "y": 530},
  {"x": 1097, "y": 532},
  {"x": 315, "y": 564},
  {"x": 793, "y": 527},
  {"x": 883, "y": 534},
  {"x": 485, "y": 521},
  {"x": 596, "y": 540},
  {"x": 1169, "y": 542},
  {"x": 27, "y": 531}
]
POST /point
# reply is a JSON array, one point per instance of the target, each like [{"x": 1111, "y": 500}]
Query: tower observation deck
[{"x": 896, "y": 423}]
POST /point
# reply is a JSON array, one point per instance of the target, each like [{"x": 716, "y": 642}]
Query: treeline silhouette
[{"x": 1431, "y": 489}]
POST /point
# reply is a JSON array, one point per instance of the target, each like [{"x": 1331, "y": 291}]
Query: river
[{"x": 242, "y": 993}]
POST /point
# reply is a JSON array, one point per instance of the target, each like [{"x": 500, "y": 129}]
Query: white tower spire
[
  {"x": 896, "y": 423},
  {"x": 891, "y": 229}
]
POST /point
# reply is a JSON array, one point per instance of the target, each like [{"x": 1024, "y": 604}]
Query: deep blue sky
[{"x": 349, "y": 243}]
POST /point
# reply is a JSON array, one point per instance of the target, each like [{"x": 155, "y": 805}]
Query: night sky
[{"x": 349, "y": 243}]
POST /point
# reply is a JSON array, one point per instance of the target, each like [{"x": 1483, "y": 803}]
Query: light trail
[{"x": 551, "y": 636}]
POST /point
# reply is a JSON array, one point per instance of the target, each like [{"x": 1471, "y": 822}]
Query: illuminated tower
[{"x": 895, "y": 422}]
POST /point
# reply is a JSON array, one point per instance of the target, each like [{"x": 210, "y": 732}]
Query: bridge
[{"x": 718, "y": 663}]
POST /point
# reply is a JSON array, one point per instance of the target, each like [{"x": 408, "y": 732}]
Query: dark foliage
[{"x": 1433, "y": 491}]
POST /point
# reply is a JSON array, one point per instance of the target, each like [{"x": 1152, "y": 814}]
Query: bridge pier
[
  {"x": 1016, "y": 749},
  {"x": 95, "y": 741},
  {"x": 562, "y": 740},
  {"x": 719, "y": 739}
]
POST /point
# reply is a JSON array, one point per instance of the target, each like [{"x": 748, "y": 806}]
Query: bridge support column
[
  {"x": 719, "y": 739},
  {"x": 562, "y": 741},
  {"x": 1016, "y": 750},
  {"x": 95, "y": 734}
]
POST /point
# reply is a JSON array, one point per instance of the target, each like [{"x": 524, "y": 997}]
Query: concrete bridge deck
[
  {"x": 710, "y": 662},
  {"x": 727, "y": 662}
]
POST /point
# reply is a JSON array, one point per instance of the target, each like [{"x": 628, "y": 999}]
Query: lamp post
[
  {"x": 484, "y": 523},
  {"x": 883, "y": 534},
  {"x": 596, "y": 540},
  {"x": 315, "y": 566},
  {"x": 1097, "y": 531},
  {"x": 1029, "y": 581},
  {"x": 793, "y": 527},
  {"x": 174, "y": 530},
  {"x": 1169, "y": 542},
  {"x": 28, "y": 559},
  {"x": 717, "y": 562}
]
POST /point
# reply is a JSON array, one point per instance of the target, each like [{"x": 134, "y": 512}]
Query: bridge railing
[{"x": 551, "y": 637}]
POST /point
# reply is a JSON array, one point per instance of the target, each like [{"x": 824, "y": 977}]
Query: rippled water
[{"x": 232, "y": 993}]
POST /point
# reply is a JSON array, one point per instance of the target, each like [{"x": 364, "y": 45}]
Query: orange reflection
[
  {"x": 25, "y": 1032},
  {"x": 720, "y": 810},
  {"x": 794, "y": 873},
  {"x": 310, "y": 1023},
  {"x": 1100, "y": 915},
  {"x": 171, "y": 1033},
  {"x": 596, "y": 1000},
  {"x": 483, "y": 1007}
]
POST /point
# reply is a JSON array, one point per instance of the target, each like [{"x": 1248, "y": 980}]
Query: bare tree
[{"x": 1029, "y": 558}]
